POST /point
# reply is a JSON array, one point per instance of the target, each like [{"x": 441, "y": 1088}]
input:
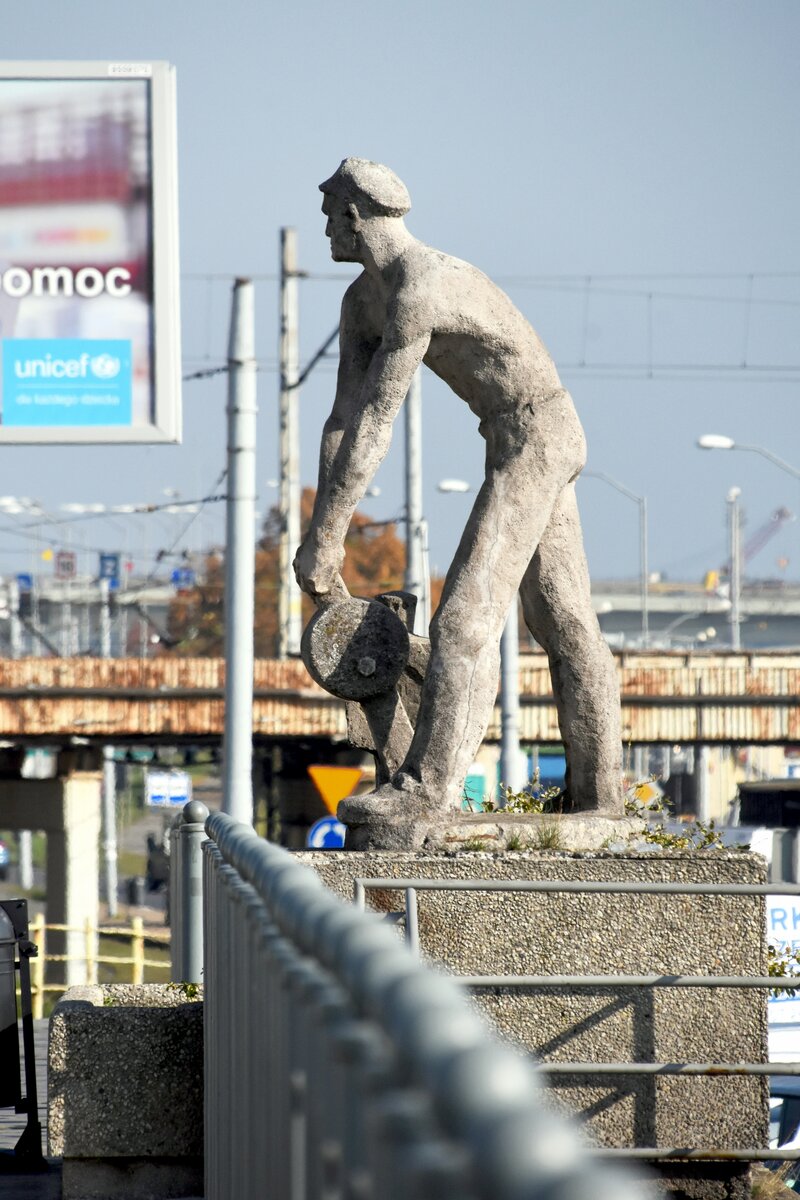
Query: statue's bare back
[{"x": 481, "y": 346}]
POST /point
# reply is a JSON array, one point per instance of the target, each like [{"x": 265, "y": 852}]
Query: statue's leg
[
  {"x": 510, "y": 513},
  {"x": 558, "y": 611},
  {"x": 460, "y": 686},
  {"x": 529, "y": 459}
]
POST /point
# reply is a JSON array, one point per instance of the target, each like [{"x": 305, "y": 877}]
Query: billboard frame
[{"x": 166, "y": 423}]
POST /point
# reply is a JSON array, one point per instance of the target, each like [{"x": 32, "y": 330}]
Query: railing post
[
  {"x": 37, "y": 930},
  {"x": 186, "y": 893},
  {"x": 90, "y": 951},
  {"x": 137, "y": 949}
]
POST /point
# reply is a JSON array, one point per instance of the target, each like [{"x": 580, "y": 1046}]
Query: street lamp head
[
  {"x": 453, "y": 485},
  {"x": 715, "y": 441}
]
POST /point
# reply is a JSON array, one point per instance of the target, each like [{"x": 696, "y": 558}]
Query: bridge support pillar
[
  {"x": 68, "y": 811},
  {"x": 703, "y": 783}
]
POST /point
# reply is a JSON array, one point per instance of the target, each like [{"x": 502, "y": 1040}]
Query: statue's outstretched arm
[
  {"x": 356, "y": 349},
  {"x": 361, "y": 433}
]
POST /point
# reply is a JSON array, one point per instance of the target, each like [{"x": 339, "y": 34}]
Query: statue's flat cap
[{"x": 359, "y": 180}]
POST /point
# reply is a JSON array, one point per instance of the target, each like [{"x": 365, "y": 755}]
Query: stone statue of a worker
[{"x": 412, "y": 304}]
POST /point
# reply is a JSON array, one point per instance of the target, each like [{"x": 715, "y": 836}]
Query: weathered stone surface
[
  {"x": 520, "y": 933},
  {"x": 125, "y": 1092},
  {"x": 410, "y": 305},
  {"x": 356, "y": 649},
  {"x": 537, "y": 831}
]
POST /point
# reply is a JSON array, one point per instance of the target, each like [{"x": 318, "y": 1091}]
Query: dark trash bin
[
  {"x": 16, "y": 950},
  {"x": 136, "y": 886}
]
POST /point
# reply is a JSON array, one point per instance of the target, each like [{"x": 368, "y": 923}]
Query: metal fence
[
  {"x": 336, "y": 1065},
  {"x": 135, "y": 963},
  {"x": 410, "y": 920}
]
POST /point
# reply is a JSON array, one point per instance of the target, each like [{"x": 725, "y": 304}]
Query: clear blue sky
[{"x": 651, "y": 148}]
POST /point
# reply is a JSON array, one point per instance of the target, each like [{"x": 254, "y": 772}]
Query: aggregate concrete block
[
  {"x": 125, "y": 1092},
  {"x": 496, "y": 933}
]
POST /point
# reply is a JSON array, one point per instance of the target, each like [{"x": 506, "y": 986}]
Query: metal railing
[
  {"x": 410, "y": 919},
  {"x": 337, "y": 1065},
  {"x": 91, "y": 957}
]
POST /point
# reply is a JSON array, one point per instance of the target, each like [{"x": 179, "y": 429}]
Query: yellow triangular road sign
[{"x": 334, "y": 783}]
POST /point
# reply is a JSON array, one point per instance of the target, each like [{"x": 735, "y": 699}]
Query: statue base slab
[{"x": 512, "y": 933}]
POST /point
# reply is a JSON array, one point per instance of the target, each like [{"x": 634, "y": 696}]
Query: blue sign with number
[
  {"x": 183, "y": 578},
  {"x": 109, "y": 567},
  {"x": 326, "y": 834}
]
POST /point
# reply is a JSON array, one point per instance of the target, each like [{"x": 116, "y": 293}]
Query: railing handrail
[{"x": 484, "y": 1094}]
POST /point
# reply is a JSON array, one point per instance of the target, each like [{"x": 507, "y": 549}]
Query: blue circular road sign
[{"x": 326, "y": 834}]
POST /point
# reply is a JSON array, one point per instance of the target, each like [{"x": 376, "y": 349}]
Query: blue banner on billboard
[{"x": 66, "y": 381}]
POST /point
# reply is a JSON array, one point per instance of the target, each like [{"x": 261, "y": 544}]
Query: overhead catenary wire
[{"x": 641, "y": 286}]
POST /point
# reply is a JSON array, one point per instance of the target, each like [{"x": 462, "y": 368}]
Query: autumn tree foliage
[{"x": 374, "y": 563}]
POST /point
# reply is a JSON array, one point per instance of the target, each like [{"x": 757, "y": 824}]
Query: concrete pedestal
[
  {"x": 125, "y": 1104},
  {"x": 561, "y": 933}
]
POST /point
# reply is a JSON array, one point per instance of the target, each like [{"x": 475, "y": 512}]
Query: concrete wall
[
  {"x": 68, "y": 810},
  {"x": 496, "y": 933}
]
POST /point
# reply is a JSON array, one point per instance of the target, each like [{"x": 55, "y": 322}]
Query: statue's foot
[{"x": 390, "y": 818}]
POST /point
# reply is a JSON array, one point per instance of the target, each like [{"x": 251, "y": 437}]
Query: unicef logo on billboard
[
  {"x": 105, "y": 366},
  {"x": 66, "y": 382}
]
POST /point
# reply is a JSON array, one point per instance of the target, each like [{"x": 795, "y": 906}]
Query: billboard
[{"x": 89, "y": 316}]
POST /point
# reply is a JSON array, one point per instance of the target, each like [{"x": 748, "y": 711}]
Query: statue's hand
[{"x": 317, "y": 571}]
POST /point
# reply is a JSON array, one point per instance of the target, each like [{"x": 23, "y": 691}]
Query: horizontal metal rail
[
  {"x": 590, "y": 886},
  {"x": 601, "y": 1068},
  {"x": 411, "y": 888},
  {"x": 784, "y": 983},
  {"x": 690, "y": 1152}
]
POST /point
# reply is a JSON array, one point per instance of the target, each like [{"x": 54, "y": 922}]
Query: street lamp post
[
  {"x": 641, "y": 501},
  {"x": 718, "y": 441},
  {"x": 417, "y": 573},
  {"x": 735, "y": 567}
]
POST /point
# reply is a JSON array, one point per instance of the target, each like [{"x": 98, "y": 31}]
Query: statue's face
[{"x": 345, "y": 244}]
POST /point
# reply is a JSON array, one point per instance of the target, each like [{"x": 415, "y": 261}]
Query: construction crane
[
  {"x": 756, "y": 542},
  {"x": 766, "y": 531}
]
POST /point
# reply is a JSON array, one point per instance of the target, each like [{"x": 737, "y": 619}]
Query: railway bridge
[
  {"x": 694, "y": 697},
  {"x": 77, "y": 706}
]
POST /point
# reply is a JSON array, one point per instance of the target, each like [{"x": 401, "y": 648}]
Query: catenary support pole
[
  {"x": 512, "y": 767},
  {"x": 237, "y": 787},
  {"x": 14, "y": 623},
  {"x": 110, "y": 881},
  {"x": 702, "y": 780},
  {"x": 24, "y": 844},
  {"x": 735, "y": 568},
  {"x": 289, "y": 597},
  {"x": 644, "y": 571},
  {"x": 417, "y": 579}
]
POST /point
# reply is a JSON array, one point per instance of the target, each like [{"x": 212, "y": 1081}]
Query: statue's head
[{"x": 359, "y": 191}]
